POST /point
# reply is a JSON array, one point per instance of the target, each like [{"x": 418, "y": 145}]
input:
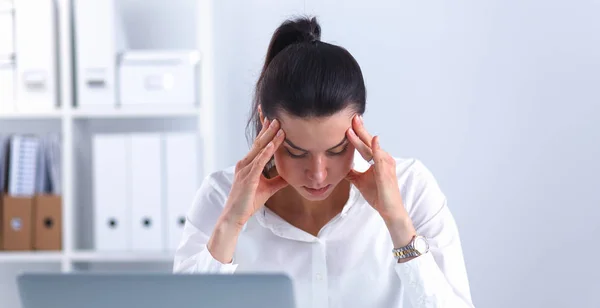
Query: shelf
[
  {"x": 95, "y": 256},
  {"x": 137, "y": 112},
  {"x": 84, "y": 256},
  {"x": 30, "y": 256},
  {"x": 27, "y": 115}
]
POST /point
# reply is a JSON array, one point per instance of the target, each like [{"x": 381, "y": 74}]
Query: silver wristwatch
[{"x": 417, "y": 246}]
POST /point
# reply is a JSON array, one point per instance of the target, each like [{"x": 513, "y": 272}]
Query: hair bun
[
  {"x": 304, "y": 29},
  {"x": 293, "y": 31},
  {"x": 313, "y": 32}
]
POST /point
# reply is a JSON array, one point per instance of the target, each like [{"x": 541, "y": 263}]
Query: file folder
[
  {"x": 112, "y": 224},
  {"x": 36, "y": 55},
  {"x": 99, "y": 38},
  {"x": 53, "y": 157},
  {"x": 7, "y": 85},
  {"x": 15, "y": 232},
  {"x": 7, "y": 44},
  {"x": 4, "y": 139},
  {"x": 23, "y": 151},
  {"x": 182, "y": 179},
  {"x": 41, "y": 172},
  {"x": 47, "y": 222},
  {"x": 146, "y": 192}
]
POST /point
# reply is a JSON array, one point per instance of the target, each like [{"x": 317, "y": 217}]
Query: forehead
[{"x": 316, "y": 133}]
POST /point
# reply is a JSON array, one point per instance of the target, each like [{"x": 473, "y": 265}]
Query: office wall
[{"x": 499, "y": 98}]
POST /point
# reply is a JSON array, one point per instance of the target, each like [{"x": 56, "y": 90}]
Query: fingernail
[
  {"x": 273, "y": 123},
  {"x": 270, "y": 144},
  {"x": 279, "y": 132},
  {"x": 351, "y": 131},
  {"x": 360, "y": 119}
]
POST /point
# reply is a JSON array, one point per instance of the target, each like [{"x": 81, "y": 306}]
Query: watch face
[{"x": 421, "y": 244}]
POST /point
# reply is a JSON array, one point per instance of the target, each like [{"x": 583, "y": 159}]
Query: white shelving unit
[
  {"x": 31, "y": 257},
  {"x": 72, "y": 120}
]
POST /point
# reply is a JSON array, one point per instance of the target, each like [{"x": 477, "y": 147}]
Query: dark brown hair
[{"x": 305, "y": 77}]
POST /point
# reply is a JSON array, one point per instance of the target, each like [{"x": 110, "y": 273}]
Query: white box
[
  {"x": 99, "y": 38},
  {"x": 112, "y": 210},
  {"x": 7, "y": 35},
  {"x": 158, "y": 77},
  {"x": 7, "y": 86},
  {"x": 36, "y": 55},
  {"x": 146, "y": 191},
  {"x": 182, "y": 174}
]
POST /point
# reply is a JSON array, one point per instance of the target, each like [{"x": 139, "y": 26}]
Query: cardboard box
[
  {"x": 16, "y": 223},
  {"x": 47, "y": 226}
]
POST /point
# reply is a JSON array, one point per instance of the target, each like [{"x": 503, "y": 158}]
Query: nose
[{"x": 317, "y": 171}]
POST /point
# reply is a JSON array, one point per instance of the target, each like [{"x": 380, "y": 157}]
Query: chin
[{"x": 315, "y": 195}]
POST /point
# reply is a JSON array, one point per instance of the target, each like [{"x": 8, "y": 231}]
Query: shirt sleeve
[
  {"x": 192, "y": 255},
  {"x": 439, "y": 277}
]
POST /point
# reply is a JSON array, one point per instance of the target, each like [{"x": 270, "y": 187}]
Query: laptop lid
[{"x": 155, "y": 290}]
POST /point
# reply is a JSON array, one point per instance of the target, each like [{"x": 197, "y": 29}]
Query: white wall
[
  {"x": 499, "y": 98},
  {"x": 242, "y": 33},
  {"x": 159, "y": 24}
]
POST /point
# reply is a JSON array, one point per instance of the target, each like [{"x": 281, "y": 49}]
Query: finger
[
  {"x": 258, "y": 164},
  {"x": 361, "y": 131},
  {"x": 364, "y": 150},
  {"x": 265, "y": 126},
  {"x": 379, "y": 155},
  {"x": 384, "y": 163},
  {"x": 260, "y": 142},
  {"x": 352, "y": 175},
  {"x": 358, "y": 178},
  {"x": 275, "y": 184}
]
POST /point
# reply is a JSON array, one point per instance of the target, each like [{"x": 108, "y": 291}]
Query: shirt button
[{"x": 319, "y": 276}]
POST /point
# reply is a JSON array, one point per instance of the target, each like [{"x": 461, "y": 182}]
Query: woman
[{"x": 377, "y": 235}]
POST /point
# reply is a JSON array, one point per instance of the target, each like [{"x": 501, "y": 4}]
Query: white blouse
[{"x": 350, "y": 263}]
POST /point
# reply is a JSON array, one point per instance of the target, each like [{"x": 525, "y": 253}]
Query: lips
[{"x": 317, "y": 191}]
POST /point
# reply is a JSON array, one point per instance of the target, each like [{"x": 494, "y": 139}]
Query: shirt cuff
[
  {"x": 208, "y": 264},
  {"x": 421, "y": 279}
]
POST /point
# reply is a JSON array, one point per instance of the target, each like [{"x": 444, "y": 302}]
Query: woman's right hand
[
  {"x": 249, "y": 192},
  {"x": 251, "y": 189}
]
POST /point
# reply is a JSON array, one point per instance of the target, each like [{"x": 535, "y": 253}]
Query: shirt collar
[{"x": 268, "y": 219}]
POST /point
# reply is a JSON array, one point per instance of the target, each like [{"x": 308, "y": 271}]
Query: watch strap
[{"x": 407, "y": 251}]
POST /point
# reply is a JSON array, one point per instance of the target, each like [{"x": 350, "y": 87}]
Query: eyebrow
[{"x": 301, "y": 149}]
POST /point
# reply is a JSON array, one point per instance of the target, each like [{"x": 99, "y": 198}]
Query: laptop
[{"x": 155, "y": 290}]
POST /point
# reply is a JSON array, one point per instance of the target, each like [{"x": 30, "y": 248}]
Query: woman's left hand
[{"x": 379, "y": 184}]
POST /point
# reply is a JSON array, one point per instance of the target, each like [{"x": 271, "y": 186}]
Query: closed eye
[
  {"x": 342, "y": 151},
  {"x": 295, "y": 155},
  {"x": 330, "y": 152}
]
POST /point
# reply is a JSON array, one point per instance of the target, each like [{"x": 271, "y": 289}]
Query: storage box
[
  {"x": 16, "y": 223},
  {"x": 47, "y": 226},
  {"x": 158, "y": 77}
]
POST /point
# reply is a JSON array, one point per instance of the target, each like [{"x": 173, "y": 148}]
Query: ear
[{"x": 260, "y": 114}]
